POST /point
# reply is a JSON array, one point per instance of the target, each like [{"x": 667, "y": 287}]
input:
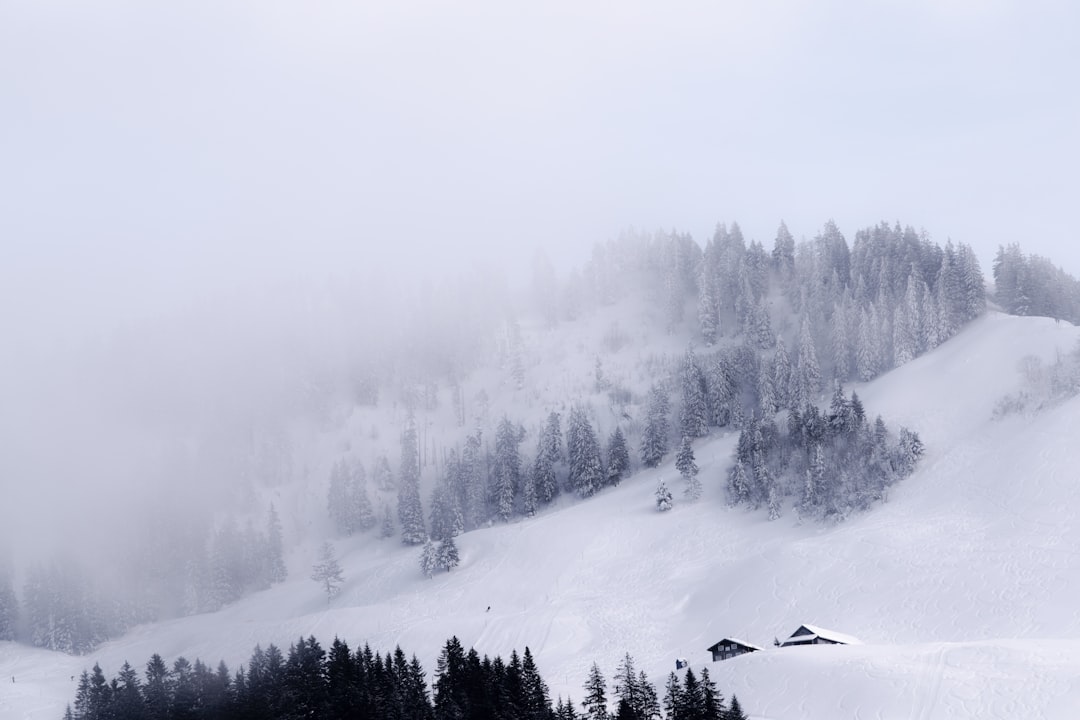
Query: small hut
[
  {"x": 813, "y": 635},
  {"x": 729, "y": 648}
]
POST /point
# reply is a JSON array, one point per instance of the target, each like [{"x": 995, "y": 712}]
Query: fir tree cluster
[
  {"x": 832, "y": 463},
  {"x": 1033, "y": 285},
  {"x": 309, "y": 681},
  {"x": 63, "y": 609}
]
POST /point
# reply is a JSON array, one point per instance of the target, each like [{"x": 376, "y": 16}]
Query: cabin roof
[{"x": 824, "y": 634}]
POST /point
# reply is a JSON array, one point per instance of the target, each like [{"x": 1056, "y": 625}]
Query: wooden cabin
[
  {"x": 729, "y": 648},
  {"x": 813, "y": 635}
]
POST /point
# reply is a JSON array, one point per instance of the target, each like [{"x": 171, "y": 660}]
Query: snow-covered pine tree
[
  {"x": 361, "y": 514},
  {"x": 721, "y": 389},
  {"x": 687, "y": 467},
  {"x": 840, "y": 339},
  {"x": 327, "y": 571},
  {"x": 529, "y": 503},
  {"x": 9, "y": 608},
  {"x": 544, "y": 483},
  {"x": 618, "y": 457},
  {"x": 506, "y": 468},
  {"x": 383, "y": 475},
  {"x": 387, "y": 529},
  {"x": 410, "y": 510},
  {"x": 429, "y": 559},
  {"x": 694, "y": 414},
  {"x": 867, "y": 348},
  {"x": 663, "y": 496},
  {"x": 781, "y": 371},
  {"x": 807, "y": 372},
  {"x": 446, "y": 555},
  {"x": 337, "y": 497},
  {"x": 654, "y": 438},
  {"x": 708, "y": 307},
  {"x": 739, "y": 490},
  {"x": 275, "y": 552},
  {"x": 586, "y": 469},
  {"x": 446, "y": 519},
  {"x": 473, "y": 483}
]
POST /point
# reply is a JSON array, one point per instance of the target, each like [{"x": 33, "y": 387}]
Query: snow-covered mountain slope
[{"x": 962, "y": 586}]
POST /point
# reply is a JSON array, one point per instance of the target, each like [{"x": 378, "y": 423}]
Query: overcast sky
[{"x": 156, "y": 152}]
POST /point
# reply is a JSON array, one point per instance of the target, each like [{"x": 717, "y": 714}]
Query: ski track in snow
[{"x": 963, "y": 585}]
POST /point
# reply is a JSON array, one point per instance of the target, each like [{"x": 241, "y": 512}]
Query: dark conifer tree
[
  {"x": 595, "y": 702},
  {"x": 410, "y": 510},
  {"x": 618, "y": 455},
  {"x": 674, "y": 707},
  {"x": 275, "y": 553},
  {"x": 735, "y": 712},
  {"x": 654, "y": 438},
  {"x": 694, "y": 415},
  {"x": 9, "y": 608}
]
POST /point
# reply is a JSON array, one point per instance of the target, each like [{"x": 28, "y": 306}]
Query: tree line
[
  {"x": 64, "y": 609},
  {"x": 308, "y": 681}
]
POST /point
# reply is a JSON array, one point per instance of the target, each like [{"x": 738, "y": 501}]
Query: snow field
[{"x": 962, "y": 585}]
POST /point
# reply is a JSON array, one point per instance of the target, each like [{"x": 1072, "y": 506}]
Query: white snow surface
[{"x": 963, "y": 586}]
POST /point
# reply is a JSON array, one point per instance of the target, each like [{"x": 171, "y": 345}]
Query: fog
[{"x": 205, "y": 206}]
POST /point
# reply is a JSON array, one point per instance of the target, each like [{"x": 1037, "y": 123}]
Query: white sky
[{"x": 154, "y": 152}]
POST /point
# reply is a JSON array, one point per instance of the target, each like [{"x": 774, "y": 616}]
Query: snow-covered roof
[
  {"x": 824, "y": 634},
  {"x": 735, "y": 641}
]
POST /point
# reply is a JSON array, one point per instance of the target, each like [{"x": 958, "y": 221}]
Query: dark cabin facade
[
  {"x": 812, "y": 635},
  {"x": 729, "y": 648}
]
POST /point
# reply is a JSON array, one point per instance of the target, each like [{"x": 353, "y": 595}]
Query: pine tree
[
  {"x": 735, "y": 712},
  {"x": 708, "y": 307},
  {"x": 473, "y": 482},
  {"x": 9, "y": 608},
  {"x": 361, "y": 514},
  {"x": 387, "y": 528},
  {"x": 410, "y": 510},
  {"x": 654, "y": 438},
  {"x": 807, "y": 371},
  {"x": 383, "y": 475},
  {"x": 429, "y": 559},
  {"x": 781, "y": 370},
  {"x": 275, "y": 553},
  {"x": 595, "y": 702},
  {"x": 674, "y": 706},
  {"x": 446, "y": 518},
  {"x": 618, "y": 464},
  {"x": 327, "y": 571},
  {"x": 548, "y": 455},
  {"x": 446, "y": 555},
  {"x": 536, "y": 703},
  {"x": 712, "y": 702},
  {"x": 337, "y": 497},
  {"x": 586, "y": 469},
  {"x": 694, "y": 416},
  {"x": 663, "y": 497},
  {"x": 687, "y": 467},
  {"x": 156, "y": 689},
  {"x": 506, "y": 468},
  {"x": 738, "y": 484}
]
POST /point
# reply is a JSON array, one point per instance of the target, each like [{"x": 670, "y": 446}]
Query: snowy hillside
[{"x": 962, "y": 586}]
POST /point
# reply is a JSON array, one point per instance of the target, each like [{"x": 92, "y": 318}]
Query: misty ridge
[{"x": 175, "y": 464}]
